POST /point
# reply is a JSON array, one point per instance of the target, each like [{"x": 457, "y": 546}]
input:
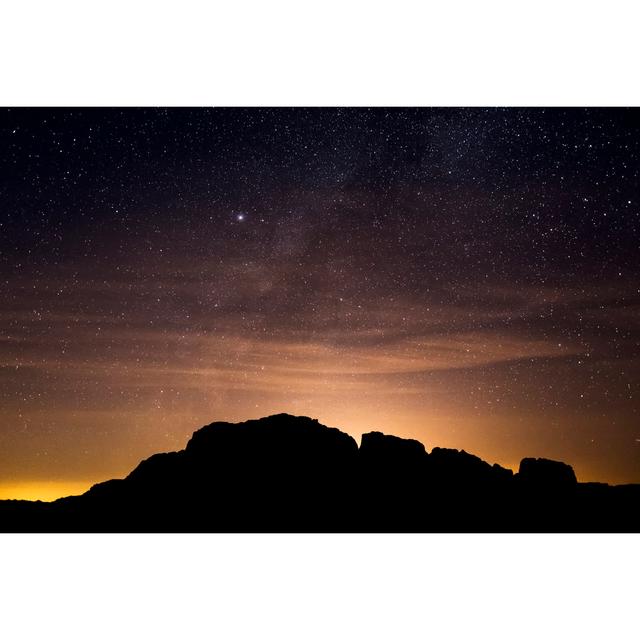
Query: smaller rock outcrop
[{"x": 540, "y": 472}]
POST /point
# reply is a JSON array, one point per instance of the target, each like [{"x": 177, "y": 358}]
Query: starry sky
[{"x": 466, "y": 277}]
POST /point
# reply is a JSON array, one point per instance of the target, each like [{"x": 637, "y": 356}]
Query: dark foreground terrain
[{"x": 292, "y": 474}]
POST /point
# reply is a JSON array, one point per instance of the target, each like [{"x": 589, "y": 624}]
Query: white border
[
  {"x": 319, "y": 586},
  {"x": 338, "y": 52}
]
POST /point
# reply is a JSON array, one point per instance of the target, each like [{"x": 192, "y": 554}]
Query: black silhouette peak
[
  {"x": 293, "y": 474},
  {"x": 293, "y": 433}
]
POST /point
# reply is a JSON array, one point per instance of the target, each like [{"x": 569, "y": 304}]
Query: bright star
[{"x": 240, "y": 217}]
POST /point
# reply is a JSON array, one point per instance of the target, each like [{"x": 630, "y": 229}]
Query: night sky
[{"x": 466, "y": 277}]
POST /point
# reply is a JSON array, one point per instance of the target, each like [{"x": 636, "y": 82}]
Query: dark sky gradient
[{"x": 467, "y": 277}]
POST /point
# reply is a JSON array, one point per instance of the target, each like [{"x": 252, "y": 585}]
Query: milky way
[{"x": 467, "y": 277}]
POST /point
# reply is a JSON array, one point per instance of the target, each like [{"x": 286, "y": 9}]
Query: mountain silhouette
[{"x": 291, "y": 474}]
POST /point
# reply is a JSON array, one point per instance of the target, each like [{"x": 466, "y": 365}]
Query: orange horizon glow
[{"x": 45, "y": 491}]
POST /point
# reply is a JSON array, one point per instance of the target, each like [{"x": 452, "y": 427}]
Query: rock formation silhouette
[{"x": 291, "y": 474}]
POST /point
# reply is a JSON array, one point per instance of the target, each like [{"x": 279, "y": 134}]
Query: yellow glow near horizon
[{"x": 42, "y": 490}]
